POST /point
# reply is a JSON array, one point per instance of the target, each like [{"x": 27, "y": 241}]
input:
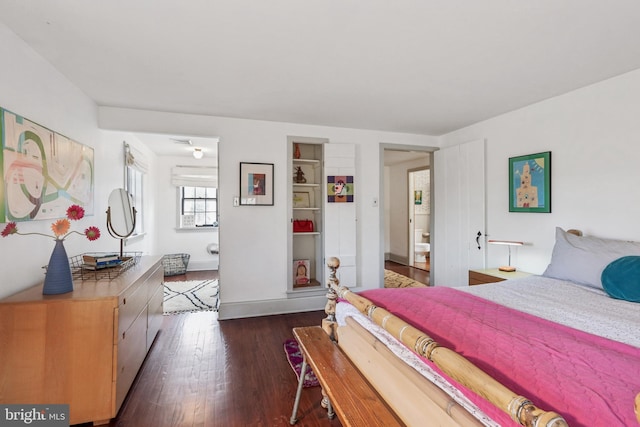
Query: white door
[
  {"x": 340, "y": 215},
  {"x": 458, "y": 241}
]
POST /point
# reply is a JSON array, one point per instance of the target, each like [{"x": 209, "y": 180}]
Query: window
[
  {"x": 136, "y": 168},
  {"x": 135, "y": 185},
  {"x": 198, "y": 206}
]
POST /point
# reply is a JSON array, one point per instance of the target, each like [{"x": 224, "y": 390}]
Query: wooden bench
[{"x": 350, "y": 395}]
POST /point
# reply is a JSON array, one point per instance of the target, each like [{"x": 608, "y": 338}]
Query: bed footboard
[{"x": 519, "y": 408}]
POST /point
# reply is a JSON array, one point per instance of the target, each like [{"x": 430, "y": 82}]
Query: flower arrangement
[{"x": 61, "y": 228}]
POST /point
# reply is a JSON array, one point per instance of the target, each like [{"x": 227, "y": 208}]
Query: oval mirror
[{"x": 121, "y": 218}]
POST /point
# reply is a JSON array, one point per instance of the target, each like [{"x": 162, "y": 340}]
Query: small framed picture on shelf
[
  {"x": 301, "y": 272},
  {"x": 301, "y": 199}
]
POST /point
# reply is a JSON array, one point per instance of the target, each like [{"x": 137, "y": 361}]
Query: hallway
[{"x": 412, "y": 272}]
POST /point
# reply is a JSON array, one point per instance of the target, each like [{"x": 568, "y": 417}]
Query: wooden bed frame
[{"x": 413, "y": 397}]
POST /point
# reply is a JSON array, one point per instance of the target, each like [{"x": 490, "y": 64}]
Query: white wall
[
  {"x": 253, "y": 239},
  {"x": 30, "y": 87},
  {"x": 398, "y": 213},
  {"x": 593, "y": 134},
  {"x": 386, "y": 203},
  {"x": 396, "y": 199},
  {"x": 594, "y": 138}
]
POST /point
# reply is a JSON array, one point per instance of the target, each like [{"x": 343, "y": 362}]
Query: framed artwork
[
  {"x": 44, "y": 172},
  {"x": 301, "y": 199},
  {"x": 340, "y": 189},
  {"x": 301, "y": 272},
  {"x": 530, "y": 183},
  {"x": 417, "y": 197},
  {"x": 256, "y": 184}
]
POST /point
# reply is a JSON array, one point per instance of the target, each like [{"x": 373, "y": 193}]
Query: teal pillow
[{"x": 621, "y": 278}]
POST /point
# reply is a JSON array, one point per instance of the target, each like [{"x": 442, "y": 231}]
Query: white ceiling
[
  {"x": 416, "y": 66},
  {"x": 178, "y": 145}
]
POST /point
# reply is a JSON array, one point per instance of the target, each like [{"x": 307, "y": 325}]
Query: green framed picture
[{"x": 530, "y": 183}]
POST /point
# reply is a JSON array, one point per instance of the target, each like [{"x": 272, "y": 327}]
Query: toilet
[{"x": 421, "y": 249}]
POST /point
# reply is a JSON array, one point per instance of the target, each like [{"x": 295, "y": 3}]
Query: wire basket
[
  {"x": 79, "y": 270},
  {"x": 175, "y": 264}
]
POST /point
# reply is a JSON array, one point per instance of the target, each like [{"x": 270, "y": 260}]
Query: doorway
[
  {"x": 419, "y": 198},
  {"x": 398, "y": 201}
]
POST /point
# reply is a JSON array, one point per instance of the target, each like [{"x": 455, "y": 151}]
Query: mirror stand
[
  {"x": 114, "y": 234},
  {"x": 122, "y": 222}
]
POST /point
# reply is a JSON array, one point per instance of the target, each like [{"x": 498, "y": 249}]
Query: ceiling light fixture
[{"x": 198, "y": 153}]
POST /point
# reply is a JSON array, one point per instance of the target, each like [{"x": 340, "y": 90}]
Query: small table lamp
[{"x": 509, "y": 243}]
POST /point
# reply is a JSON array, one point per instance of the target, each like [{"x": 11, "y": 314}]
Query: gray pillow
[{"x": 581, "y": 259}]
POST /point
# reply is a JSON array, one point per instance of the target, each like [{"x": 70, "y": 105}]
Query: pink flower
[
  {"x": 92, "y": 233},
  {"x": 75, "y": 212},
  {"x": 61, "y": 227},
  {"x": 10, "y": 228}
]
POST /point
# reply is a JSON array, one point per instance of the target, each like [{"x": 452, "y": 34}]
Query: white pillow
[{"x": 581, "y": 259}]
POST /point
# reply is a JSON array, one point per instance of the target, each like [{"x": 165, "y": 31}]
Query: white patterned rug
[
  {"x": 395, "y": 280},
  {"x": 190, "y": 296}
]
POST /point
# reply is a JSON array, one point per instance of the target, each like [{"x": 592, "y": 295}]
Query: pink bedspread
[{"x": 591, "y": 381}]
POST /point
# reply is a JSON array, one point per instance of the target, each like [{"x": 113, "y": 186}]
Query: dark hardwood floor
[
  {"x": 205, "y": 372},
  {"x": 417, "y": 274}
]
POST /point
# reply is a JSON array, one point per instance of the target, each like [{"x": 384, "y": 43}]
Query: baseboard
[
  {"x": 239, "y": 310},
  {"x": 203, "y": 265},
  {"x": 404, "y": 260}
]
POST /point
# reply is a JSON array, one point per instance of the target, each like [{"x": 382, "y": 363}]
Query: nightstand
[{"x": 492, "y": 275}]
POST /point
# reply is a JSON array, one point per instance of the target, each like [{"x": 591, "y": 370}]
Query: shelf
[
  {"x": 306, "y": 162},
  {"x": 296, "y": 184},
  {"x": 306, "y": 203},
  {"x": 313, "y": 283}
]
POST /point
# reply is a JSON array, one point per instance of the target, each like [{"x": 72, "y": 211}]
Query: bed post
[{"x": 329, "y": 323}]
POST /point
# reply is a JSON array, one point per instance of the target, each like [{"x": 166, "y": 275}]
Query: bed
[{"x": 558, "y": 349}]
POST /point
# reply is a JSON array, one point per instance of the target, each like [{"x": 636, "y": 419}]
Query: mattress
[
  {"x": 581, "y": 307},
  {"x": 552, "y": 300}
]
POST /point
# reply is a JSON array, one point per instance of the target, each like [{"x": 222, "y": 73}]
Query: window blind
[{"x": 194, "y": 176}]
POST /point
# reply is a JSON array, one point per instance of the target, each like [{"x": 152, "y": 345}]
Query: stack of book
[{"x": 98, "y": 261}]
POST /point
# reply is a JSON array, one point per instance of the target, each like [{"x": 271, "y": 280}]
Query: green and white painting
[{"x": 43, "y": 172}]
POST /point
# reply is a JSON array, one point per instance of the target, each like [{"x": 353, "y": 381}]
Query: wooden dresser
[{"x": 83, "y": 348}]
